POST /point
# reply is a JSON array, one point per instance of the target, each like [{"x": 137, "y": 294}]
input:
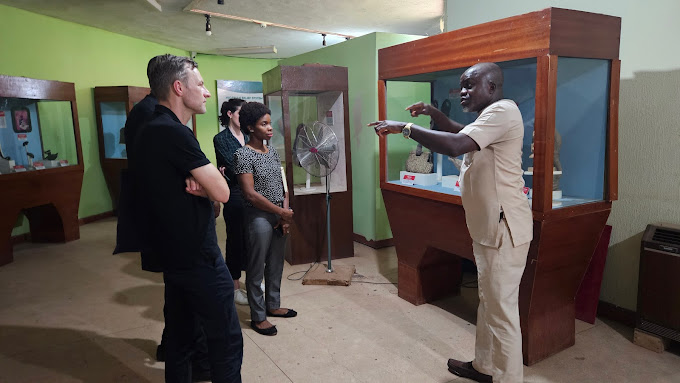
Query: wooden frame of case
[
  {"x": 112, "y": 167},
  {"x": 308, "y": 235},
  {"x": 49, "y": 198},
  {"x": 556, "y": 262}
]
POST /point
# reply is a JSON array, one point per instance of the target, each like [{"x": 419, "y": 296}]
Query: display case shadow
[
  {"x": 299, "y": 96},
  {"x": 570, "y": 145},
  {"x": 112, "y": 106},
  {"x": 41, "y": 170}
]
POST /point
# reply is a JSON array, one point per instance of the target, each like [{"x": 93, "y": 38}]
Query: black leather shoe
[
  {"x": 465, "y": 370},
  {"x": 289, "y": 314},
  {"x": 270, "y": 331},
  {"x": 160, "y": 353}
]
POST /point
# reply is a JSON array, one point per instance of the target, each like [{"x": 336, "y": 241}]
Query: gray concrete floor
[{"x": 75, "y": 313}]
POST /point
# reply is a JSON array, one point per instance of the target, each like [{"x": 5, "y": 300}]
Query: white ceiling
[{"x": 175, "y": 26}]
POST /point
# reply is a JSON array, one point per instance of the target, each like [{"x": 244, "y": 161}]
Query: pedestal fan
[{"x": 316, "y": 149}]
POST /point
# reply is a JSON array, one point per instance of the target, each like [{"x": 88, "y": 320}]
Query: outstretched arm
[
  {"x": 441, "y": 121},
  {"x": 450, "y": 144}
]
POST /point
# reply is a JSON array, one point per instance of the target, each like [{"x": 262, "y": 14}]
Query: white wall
[{"x": 649, "y": 120}]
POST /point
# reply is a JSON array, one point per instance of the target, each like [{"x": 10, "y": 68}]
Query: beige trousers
[{"x": 498, "y": 348}]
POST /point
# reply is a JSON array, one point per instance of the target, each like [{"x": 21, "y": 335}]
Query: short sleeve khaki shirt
[{"x": 492, "y": 177}]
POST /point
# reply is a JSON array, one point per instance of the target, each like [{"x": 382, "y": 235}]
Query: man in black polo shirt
[{"x": 176, "y": 184}]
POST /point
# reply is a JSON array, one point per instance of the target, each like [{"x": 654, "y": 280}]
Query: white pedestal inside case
[{"x": 423, "y": 179}]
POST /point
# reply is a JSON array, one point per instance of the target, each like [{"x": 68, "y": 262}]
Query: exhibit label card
[{"x": 408, "y": 179}]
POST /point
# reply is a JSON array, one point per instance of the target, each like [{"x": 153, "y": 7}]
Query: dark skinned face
[
  {"x": 476, "y": 92},
  {"x": 262, "y": 129}
]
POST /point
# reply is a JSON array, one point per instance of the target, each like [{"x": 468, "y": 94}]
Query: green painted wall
[
  {"x": 649, "y": 181},
  {"x": 52, "y": 49},
  {"x": 215, "y": 68},
  {"x": 360, "y": 56}
]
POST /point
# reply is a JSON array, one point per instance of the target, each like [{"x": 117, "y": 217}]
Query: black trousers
[
  {"x": 235, "y": 249},
  {"x": 202, "y": 296}
]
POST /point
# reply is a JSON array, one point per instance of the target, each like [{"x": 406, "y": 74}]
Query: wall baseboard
[
  {"x": 96, "y": 217},
  {"x": 373, "y": 244},
  {"x": 616, "y": 313},
  {"x": 21, "y": 238}
]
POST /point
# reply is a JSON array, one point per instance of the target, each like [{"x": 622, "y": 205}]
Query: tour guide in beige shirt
[{"x": 497, "y": 212}]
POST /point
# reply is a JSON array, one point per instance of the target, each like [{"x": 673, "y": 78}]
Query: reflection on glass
[
  {"x": 113, "y": 120},
  {"x": 442, "y": 90},
  {"x": 581, "y": 124},
  {"x": 35, "y": 135},
  {"x": 317, "y": 122}
]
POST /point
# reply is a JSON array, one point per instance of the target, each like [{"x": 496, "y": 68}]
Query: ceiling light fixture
[
  {"x": 268, "y": 23},
  {"x": 246, "y": 50},
  {"x": 208, "y": 27},
  {"x": 220, "y": 2}
]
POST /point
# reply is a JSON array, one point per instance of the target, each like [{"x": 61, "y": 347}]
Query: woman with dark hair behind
[
  {"x": 268, "y": 217},
  {"x": 226, "y": 143}
]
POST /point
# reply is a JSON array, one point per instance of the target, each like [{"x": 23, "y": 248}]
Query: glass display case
[
  {"x": 561, "y": 68},
  {"x": 310, "y": 120},
  {"x": 112, "y": 106},
  {"x": 580, "y": 130},
  {"x": 41, "y": 169},
  {"x": 35, "y": 135}
]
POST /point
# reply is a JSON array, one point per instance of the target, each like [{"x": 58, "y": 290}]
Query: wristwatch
[{"x": 406, "y": 131}]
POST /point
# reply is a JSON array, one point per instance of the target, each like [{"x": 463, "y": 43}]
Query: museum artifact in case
[
  {"x": 561, "y": 67},
  {"x": 41, "y": 161},
  {"x": 306, "y": 100},
  {"x": 112, "y": 105}
]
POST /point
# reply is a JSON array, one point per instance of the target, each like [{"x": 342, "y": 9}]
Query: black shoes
[
  {"x": 269, "y": 331},
  {"x": 160, "y": 353},
  {"x": 465, "y": 370},
  {"x": 289, "y": 314}
]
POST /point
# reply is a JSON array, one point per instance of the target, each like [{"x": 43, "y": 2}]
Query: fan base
[{"x": 341, "y": 275}]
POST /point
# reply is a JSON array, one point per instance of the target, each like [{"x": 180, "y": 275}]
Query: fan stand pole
[{"x": 328, "y": 223}]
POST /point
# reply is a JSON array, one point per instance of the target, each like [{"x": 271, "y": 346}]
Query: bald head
[{"x": 480, "y": 86}]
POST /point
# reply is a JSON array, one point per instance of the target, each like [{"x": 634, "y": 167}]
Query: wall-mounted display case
[
  {"x": 41, "y": 162},
  {"x": 299, "y": 97},
  {"x": 112, "y": 106},
  {"x": 561, "y": 67}
]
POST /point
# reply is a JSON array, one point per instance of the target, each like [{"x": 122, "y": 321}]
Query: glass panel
[
  {"x": 581, "y": 129},
  {"x": 113, "y": 121},
  {"x": 274, "y": 102},
  {"x": 442, "y": 90},
  {"x": 36, "y": 135},
  {"x": 317, "y": 131}
]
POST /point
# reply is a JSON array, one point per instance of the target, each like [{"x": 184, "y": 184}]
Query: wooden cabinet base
[
  {"x": 431, "y": 237},
  {"x": 50, "y": 202}
]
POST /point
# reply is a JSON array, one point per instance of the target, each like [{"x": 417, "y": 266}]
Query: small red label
[
  {"x": 63, "y": 162},
  {"x": 22, "y": 136},
  {"x": 38, "y": 164},
  {"x": 457, "y": 183},
  {"x": 526, "y": 190},
  {"x": 409, "y": 177}
]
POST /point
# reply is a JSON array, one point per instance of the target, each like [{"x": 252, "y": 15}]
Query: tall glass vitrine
[{"x": 311, "y": 101}]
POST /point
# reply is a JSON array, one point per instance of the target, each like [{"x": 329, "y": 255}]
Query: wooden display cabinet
[
  {"x": 112, "y": 106},
  {"x": 562, "y": 69},
  {"x": 41, "y": 170},
  {"x": 300, "y": 95}
]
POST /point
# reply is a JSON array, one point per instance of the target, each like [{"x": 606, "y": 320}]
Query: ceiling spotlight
[
  {"x": 220, "y": 2},
  {"x": 324, "y": 39},
  {"x": 208, "y": 27}
]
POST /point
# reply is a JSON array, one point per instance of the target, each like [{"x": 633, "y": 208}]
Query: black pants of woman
[{"x": 234, "y": 217}]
